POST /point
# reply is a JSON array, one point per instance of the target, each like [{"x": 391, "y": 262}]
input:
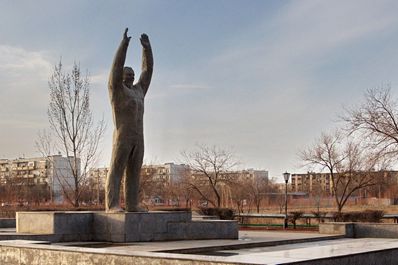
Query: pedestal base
[{"x": 124, "y": 227}]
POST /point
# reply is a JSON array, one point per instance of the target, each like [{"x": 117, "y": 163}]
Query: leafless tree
[
  {"x": 181, "y": 189},
  {"x": 151, "y": 185},
  {"x": 211, "y": 169},
  {"x": 351, "y": 167},
  {"x": 72, "y": 125},
  {"x": 317, "y": 192},
  {"x": 257, "y": 189},
  {"x": 376, "y": 121},
  {"x": 240, "y": 194}
]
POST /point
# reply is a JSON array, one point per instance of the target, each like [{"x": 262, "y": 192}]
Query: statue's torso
[{"x": 128, "y": 111}]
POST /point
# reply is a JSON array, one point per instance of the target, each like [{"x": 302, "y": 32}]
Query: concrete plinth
[
  {"x": 7, "y": 222},
  {"x": 124, "y": 227},
  {"x": 360, "y": 230}
]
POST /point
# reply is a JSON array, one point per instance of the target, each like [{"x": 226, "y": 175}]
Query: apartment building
[
  {"x": 169, "y": 173},
  {"x": 97, "y": 177},
  {"x": 253, "y": 174},
  {"x": 311, "y": 181},
  {"x": 52, "y": 171},
  {"x": 315, "y": 182},
  {"x": 166, "y": 173}
]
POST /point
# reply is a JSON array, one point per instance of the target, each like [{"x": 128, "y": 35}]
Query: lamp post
[{"x": 286, "y": 176}]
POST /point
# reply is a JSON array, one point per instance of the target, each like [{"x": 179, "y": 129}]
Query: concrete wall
[
  {"x": 123, "y": 227},
  {"x": 7, "y": 223},
  {"x": 337, "y": 228},
  {"x": 360, "y": 230},
  {"x": 14, "y": 254},
  {"x": 376, "y": 230}
]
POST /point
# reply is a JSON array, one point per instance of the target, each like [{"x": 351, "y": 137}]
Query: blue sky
[{"x": 262, "y": 78}]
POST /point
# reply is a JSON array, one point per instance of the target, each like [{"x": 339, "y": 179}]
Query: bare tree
[
  {"x": 317, "y": 192},
  {"x": 151, "y": 185},
  {"x": 211, "y": 170},
  {"x": 181, "y": 189},
  {"x": 376, "y": 120},
  {"x": 350, "y": 166},
  {"x": 257, "y": 189},
  {"x": 240, "y": 194},
  {"x": 71, "y": 122}
]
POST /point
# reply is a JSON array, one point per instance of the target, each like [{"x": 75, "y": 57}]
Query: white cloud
[
  {"x": 268, "y": 100},
  {"x": 189, "y": 87},
  {"x": 17, "y": 62},
  {"x": 100, "y": 79},
  {"x": 23, "y": 97}
]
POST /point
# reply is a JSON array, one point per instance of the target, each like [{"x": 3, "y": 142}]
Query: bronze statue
[{"x": 127, "y": 101}]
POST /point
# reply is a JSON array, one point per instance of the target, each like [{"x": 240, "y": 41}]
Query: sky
[{"x": 260, "y": 78}]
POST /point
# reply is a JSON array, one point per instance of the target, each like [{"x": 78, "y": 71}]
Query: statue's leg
[
  {"x": 132, "y": 180},
  {"x": 120, "y": 155}
]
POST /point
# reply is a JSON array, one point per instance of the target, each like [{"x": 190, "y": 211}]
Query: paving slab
[
  {"x": 305, "y": 252},
  {"x": 247, "y": 239},
  {"x": 347, "y": 251}
]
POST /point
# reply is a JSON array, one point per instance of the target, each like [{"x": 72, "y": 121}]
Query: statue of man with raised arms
[{"x": 127, "y": 101}]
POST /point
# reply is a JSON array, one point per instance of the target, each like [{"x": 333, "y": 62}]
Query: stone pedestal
[{"x": 124, "y": 227}]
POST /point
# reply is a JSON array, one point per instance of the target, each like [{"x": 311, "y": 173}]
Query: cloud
[
  {"x": 189, "y": 87},
  {"x": 23, "y": 97},
  {"x": 100, "y": 79},
  {"x": 303, "y": 35},
  {"x": 273, "y": 93},
  {"x": 23, "y": 75},
  {"x": 17, "y": 62}
]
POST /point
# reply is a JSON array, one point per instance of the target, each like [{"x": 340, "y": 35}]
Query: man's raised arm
[
  {"x": 147, "y": 63},
  {"x": 116, "y": 75}
]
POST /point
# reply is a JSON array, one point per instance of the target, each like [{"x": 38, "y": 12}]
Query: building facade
[
  {"x": 167, "y": 173},
  {"x": 156, "y": 179},
  {"x": 312, "y": 182},
  {"x": 52, "y": 172}
]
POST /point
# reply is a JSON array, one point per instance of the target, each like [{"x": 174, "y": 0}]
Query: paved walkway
[
  {"x": 305, "y": 252},
  {"x": 247, "y": 239},
  {"x": 253, "y": 247}
]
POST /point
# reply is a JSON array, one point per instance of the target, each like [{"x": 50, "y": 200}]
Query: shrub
[
  {"x": 222, "y": 213},
  {"x": 177, "y": 209},
  {"x": 372, "y": 216},
  {"x": 294, "y": 216},
  {"x": 320, "y": 216},
  {"x": 336, "y": 216},
  {"x": 351, "y": 216}
]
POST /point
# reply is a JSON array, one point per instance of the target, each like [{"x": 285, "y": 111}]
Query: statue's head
[{"x": 128, "y": 76}]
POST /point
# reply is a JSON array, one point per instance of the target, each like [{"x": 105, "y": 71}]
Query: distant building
[
  {"x": 253, "y": 174},
  {"x": 310, "y": 181},
  {"x": 52, "y": 171},
  {"x": 315, "y": 182},
  {"x": 97, "y": 177},
  {"x": 170, "y": 173},
  {"x": 166, "y": 173},
  {"x": 226, "y": 176}
]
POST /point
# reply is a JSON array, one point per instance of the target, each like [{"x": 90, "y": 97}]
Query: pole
[
  {"x": 98, "y": 188},
  {"x": 286, "y": 223}
]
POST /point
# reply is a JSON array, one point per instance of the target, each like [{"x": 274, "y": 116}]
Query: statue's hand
[
  {"x": 125, "y": 37},
  {"x": 145, "y": 41}
]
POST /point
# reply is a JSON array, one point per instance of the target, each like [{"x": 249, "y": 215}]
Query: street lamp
[{"x": 286, "y": 176}]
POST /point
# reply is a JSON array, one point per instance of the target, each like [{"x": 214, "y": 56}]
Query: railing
[{"x": 307, "y": 216}]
